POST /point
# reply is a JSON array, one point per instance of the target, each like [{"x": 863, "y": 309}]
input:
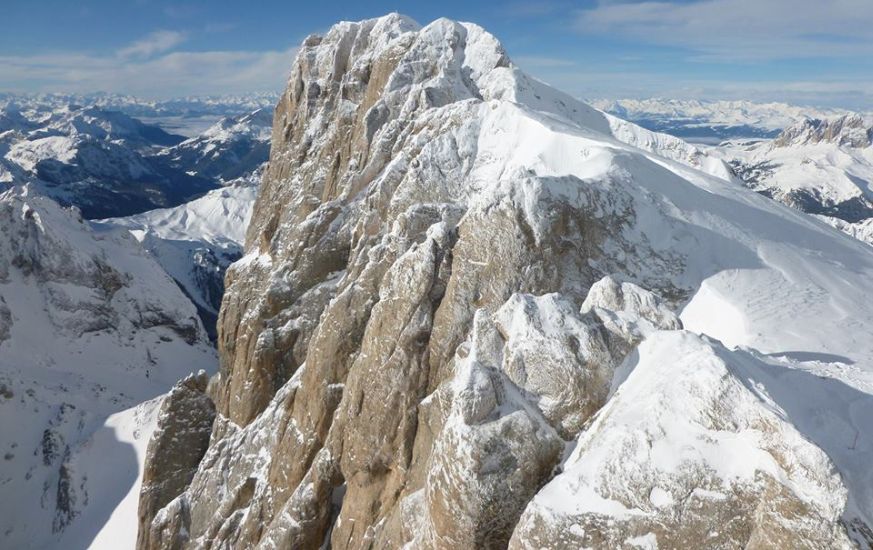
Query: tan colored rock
[
  {"x": 5, "y": 320},
  {"x": 492, "y": 455},
  {"x": 404, "y": 357},
  {"x": 174, "y": 452}
]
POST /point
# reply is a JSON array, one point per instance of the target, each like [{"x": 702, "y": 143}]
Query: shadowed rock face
[
  {"x": 5, "y": 320},
  {"x": 174, "y": 452},
  {"x": 420, "y": 328}
]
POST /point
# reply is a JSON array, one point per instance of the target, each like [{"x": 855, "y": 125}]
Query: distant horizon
[
  {"x": 277, "y": 93},
  {"x": 799, "y": 52}
]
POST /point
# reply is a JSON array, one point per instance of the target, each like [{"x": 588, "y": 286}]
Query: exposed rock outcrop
[
  {"x": 5, "y": 320},
  {"x": 174, "y": 452},
  {"x": 529, "y": 378},
  {"x": 713, "y": 465},
  {"x": 849, "y": 130},
  {"x": 423, "y": 328}
]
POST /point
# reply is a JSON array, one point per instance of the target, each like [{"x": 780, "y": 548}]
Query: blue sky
[{"x": 817, "y": 52}]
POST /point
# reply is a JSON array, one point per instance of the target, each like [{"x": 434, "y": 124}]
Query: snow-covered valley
[{"x": 197, "y": 241}]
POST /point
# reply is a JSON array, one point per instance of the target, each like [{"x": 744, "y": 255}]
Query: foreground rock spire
[{"x": 432, "y": 340}]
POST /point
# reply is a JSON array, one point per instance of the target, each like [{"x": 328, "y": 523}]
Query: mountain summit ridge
[
  {"x": 455, "y": 277},
  {"x": 852, "y": 130}
]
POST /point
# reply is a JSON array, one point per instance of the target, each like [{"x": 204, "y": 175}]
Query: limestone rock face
[
  {"x": 5, "y": 320},
  {"x": 526, "y": 382},
  {"x": 174, "y": 452},
  {"x": 849, "y": 130},
  {"x": 424, "y": 326}
]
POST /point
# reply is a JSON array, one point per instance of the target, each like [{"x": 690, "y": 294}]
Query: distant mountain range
[
  {"x": 820, "y": 166},
  {"x": 110, "y": 164},
  {"x": 819, "y": 161},
  {"x": 712, "y": 121},
  {"x": 192, "y": 106}
]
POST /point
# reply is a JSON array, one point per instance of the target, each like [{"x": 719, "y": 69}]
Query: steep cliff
[{"x": 448, "y": 271}]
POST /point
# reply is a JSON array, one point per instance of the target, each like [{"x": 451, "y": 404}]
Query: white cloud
[
  {"x": 167, "y": 75},
  {"x": 148, "y": 67},
  {"x": 153, "y": 43},
  {"x": 622, "y": 82},
  {"x": 741, "y": 29}
]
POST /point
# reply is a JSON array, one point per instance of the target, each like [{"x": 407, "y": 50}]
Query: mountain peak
[
  {"x": 851, "y": 130},
  {"x": 425, "y": 321}
]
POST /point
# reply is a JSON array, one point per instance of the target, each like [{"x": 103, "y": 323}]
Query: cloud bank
[{"x": 149, "y": 67}]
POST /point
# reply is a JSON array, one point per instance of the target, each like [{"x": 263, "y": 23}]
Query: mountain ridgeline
[{"x": 108, "y": 164}]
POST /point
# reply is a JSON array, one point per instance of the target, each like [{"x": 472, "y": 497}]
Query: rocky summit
[{"x": 474, "y": 312}]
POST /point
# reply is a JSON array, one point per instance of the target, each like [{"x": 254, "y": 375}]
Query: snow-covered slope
[
  {"x": 90, "y": 326},
  {"x": 670, "y": 147},
  {"x": 232, "y": 148},
  {"x": 195, "y": 242},
  {"x": 699, "y": 426},
  {"x": 712, "y": 120},
  {"x": 101, "y": 161},
  {"x": 818, "y": 166},
  {"x": 111, "y": 460},
  {"x": 449, "y": 270},
  {"x": 862, "y": 230}
]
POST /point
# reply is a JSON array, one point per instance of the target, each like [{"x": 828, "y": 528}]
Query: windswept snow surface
[
  {"x": 863, "y": 230},
  {"x": 90, "y": 326},
  {"x": 218, "y": 217},
  {"x": 759, "y": 275},
  {"x": 113, "y": 490},
  {"x": 690, "y": 401},
  {"x": 670, "y": 147},
  {"x": 796, "y": 284}
]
